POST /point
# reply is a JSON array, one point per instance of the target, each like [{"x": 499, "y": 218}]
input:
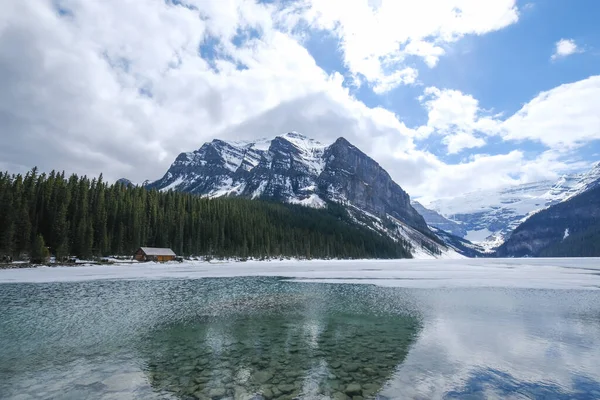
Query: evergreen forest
[{"x": 44, "y": 214}]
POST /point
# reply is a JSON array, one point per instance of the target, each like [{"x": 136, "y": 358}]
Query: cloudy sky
[{"x": 448, "y": 95}]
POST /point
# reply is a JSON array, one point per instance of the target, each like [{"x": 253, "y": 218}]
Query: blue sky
[
  {"x": 503, "y": 69},
  {"x": 449, "y": 96}
]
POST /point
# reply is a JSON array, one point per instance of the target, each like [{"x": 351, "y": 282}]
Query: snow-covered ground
[{"x": 581, "y": 273}]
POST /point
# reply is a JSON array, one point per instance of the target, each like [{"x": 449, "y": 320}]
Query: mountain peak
[
  {"x": 342, "y": 140},
  {"x": 294, "y": 135},
  {"x": 302, "y": 142},
  {"x": 125, "y": 182}
]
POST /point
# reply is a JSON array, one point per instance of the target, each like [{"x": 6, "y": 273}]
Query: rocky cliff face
[{"x": 351, "y": 175}]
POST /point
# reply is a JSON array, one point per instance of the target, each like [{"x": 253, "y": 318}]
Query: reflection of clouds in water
[
  {"x": 314, "y": 376},
  {"x": 200, "y": 335},
  {"x": 502, "y": 342},
  {"x": 216, "y": 338},
  {"x": 312, "y": 331}
]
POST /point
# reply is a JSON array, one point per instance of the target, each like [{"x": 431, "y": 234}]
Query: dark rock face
[
  {"x": 557, "y": 230},
  {"x": 291, "y": 168},
  {"x": 355, "y": 177}
]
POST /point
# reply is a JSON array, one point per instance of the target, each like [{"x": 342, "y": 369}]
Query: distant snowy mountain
[
  {"x": 489, "y": 216},
  {"x": 293, "y": 168},
  {"x": 568, "y": 229},
  {"x": 437, "y": 220}
]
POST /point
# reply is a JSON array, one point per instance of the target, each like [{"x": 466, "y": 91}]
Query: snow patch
[
  {"x": 227, "y": 188},
  {"x": 262, "y": 144},
  {"x": 478, "y": 236},
  {"x": 313, "y": 201},
  {"x": 233, "y": 160},
  {"x": 173, "y": 185},
  {"x": 311, "y": 151},
  {"x": 259, "y": 190}
]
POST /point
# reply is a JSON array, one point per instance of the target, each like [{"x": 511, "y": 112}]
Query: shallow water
[{"x": 261, "y": 337}]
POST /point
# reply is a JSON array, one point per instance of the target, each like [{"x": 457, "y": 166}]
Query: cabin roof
[{"x": 157, "y": 251}]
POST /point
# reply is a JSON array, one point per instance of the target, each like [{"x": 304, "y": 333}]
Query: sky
[{"x": 449, "y": 96}]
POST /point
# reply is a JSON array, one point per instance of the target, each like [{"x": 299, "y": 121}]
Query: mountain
[
  {"x": 437, "y": 220},
  {"x": 293, "y": 168},
  {"x": 125, "y": 182},
  {"x": 489, "y": 216},
  {"x": 568, "y": 229},
  {"x": 461, "y": 245}
]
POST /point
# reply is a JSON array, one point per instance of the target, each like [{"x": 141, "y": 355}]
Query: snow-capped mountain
[
  {"x": 489, "y": 216},
  {"x": 296, "y": 169},
  {"x": 568, "y": 229}
]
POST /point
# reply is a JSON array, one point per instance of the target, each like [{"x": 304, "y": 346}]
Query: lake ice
[{"x": 560, "y": 273}]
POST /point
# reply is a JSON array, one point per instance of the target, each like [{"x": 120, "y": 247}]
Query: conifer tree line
[{"x": 78, "y": 216}]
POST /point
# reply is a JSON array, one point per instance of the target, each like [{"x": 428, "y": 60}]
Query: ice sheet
[{"x": 582, "y": 273}]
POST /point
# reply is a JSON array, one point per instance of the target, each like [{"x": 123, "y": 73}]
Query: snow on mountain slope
[
  {"x": 422, "y": 246},
  {"x": 437, "y": 220},
  {"x": 580, "y": 183},
  {"x": 489, "y": 216}
]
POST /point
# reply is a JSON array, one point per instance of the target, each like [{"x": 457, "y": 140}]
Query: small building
[{"x": 154, "y": 254}]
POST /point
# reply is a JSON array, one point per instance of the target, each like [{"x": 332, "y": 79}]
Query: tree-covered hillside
[{"x": 88, "y": 217}]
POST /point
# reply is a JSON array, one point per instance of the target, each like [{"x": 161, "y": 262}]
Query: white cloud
[
  {"x": 566, "y": 116},
  {"x": 563, "y": 118},
  {"x": 376, "y": 37},
  {"x": 75, "y": 88},
  {"x": 388, "y": 82},
  {"x": 564, "y": 48},
  {"x": 462, "y": 140},
  {"x": 451, "y": 110},
  {"x": 119, "y": 87},
  {"x": 484, "y": 171},
  {"x": 457, "y": 117}
]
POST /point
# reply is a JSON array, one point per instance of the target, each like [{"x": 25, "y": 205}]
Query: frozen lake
[
  {"x": 453, "y": 329},
  {"x": 565, "y": 273}
]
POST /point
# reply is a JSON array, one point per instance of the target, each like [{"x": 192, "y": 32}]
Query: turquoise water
[{"x": 255, "y": 338}]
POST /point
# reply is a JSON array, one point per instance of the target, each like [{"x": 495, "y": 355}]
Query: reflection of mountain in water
[{"x": 297, "y": 351}]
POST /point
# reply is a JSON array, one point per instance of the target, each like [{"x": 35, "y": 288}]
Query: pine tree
[{"x": 39, "y": 251}]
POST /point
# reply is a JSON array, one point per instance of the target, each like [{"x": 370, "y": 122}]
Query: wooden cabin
[{"x": 154, "y": 254}]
